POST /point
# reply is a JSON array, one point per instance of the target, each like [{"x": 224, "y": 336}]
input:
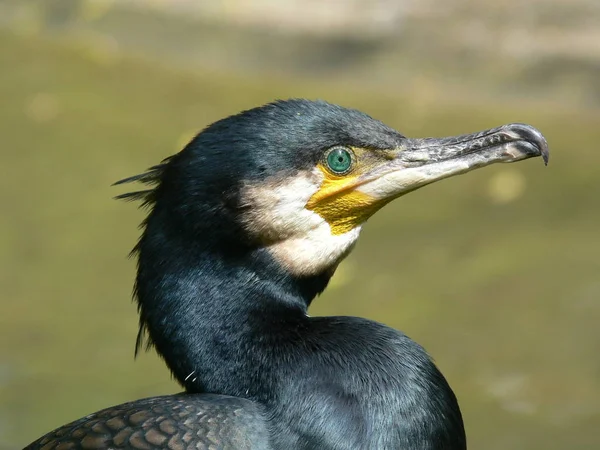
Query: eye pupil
[{"x": 339, "y": 160}]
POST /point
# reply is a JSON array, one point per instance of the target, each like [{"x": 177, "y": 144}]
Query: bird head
[
  {"x": 299, "y": 178},
  {"x": 296, "y": 180}
]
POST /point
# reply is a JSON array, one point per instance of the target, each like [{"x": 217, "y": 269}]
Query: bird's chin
[{"x": 317, "y": 251}]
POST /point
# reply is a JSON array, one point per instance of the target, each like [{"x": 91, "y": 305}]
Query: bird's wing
[{"x": 177, "y": 422}]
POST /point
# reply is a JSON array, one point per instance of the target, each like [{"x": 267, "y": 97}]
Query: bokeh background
[{"x": 496, "y": 272}]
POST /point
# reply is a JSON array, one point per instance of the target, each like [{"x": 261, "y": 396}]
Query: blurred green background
[{"x": 496, "y": 272}]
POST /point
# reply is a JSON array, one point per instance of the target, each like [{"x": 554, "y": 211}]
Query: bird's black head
[
  {"x": 212, "y": 184},
  {"x": 284, "y": 189}
]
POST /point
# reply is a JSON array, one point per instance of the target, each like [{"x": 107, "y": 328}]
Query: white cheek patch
[
  {"x": 276, "y": 210},
  {"x": 299, "y": 239}
]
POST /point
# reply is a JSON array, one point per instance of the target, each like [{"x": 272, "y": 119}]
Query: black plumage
[{"x": 230, "y": 320}]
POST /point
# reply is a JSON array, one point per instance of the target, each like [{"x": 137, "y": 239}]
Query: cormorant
[{"x": 247, "y": 224}]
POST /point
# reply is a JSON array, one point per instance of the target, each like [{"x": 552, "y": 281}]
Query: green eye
[{"x": 339, "y": 160}]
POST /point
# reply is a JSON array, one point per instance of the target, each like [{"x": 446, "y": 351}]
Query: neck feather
[{"x": 214, "y": 312}]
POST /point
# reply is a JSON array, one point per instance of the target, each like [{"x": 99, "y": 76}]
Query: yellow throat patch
[{"x": 340, "y": 204}]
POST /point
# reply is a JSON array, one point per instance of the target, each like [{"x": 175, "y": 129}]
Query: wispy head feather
[
  {"x": 147, "y": 197},
  {"x": 151, "y": 177}
]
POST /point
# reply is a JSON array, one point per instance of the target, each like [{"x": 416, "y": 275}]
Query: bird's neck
[
  {"x": 234, "y": 323},
  {"x": 216, "y": 316}
]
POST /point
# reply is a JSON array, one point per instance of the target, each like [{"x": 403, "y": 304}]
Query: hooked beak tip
[{"x": 530, "y": 135}]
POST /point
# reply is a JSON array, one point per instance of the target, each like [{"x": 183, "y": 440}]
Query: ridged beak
[{"x": 419, "y": 162}]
